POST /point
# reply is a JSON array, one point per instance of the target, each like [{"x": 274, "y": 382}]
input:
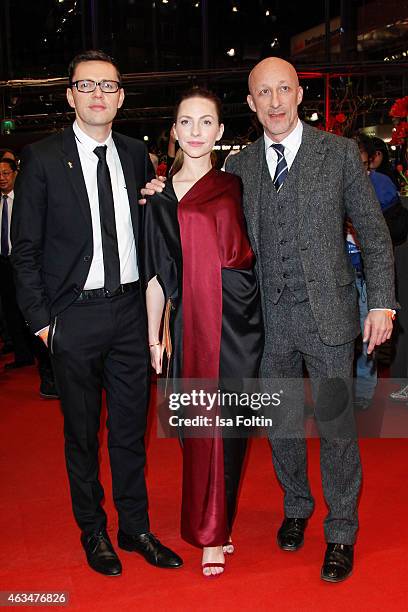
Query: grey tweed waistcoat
[{"x": 279, "y": 236}]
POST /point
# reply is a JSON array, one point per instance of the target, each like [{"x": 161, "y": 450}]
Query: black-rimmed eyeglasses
[{"x": 88, "y": 86}]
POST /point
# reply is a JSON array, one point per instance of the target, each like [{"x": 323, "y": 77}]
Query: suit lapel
[
  {"x": 73, "y": 168},
  {"x": 252, "y": 178},
  {"x": 126, "y": 161},
  {"x": 312, "y": 152}
]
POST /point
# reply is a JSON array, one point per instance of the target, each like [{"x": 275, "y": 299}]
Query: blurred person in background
[
  {"x": 8, "y": 154},
  {"x": 380, "y": 159},
  {"x": 396, "y": 218},
  {"x": 25, "y": 345}
]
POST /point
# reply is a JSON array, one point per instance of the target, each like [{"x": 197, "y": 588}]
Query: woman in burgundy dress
[{"x": 199, "y": 256}]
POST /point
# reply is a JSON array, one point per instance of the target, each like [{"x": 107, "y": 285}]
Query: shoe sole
[
  {"x": 132, "y": 550},
  {"x": 103, "y": 574},
  {"x": 49, "y": 397},
  {"x": 290, "y": 549},
  {"x": 333, "y": 580},
  {"x": 399, "y": 399}
]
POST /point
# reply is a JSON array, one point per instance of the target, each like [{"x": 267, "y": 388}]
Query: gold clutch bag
[{"x": 166, "y": 337}]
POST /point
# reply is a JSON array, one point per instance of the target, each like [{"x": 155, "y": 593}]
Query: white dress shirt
[
  {"x": 10, "y": 200},
  {"x": 124, "y": 229},
  {"x": 291, "y": 143}
]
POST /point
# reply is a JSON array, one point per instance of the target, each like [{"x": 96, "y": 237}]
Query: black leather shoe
[
  {"x": 13, "y": 365},
  {"x": 48, "y": 390},
  {"x": 291, "y": 533},
  {"x": 100, "y": 554},
  {"x": 150, "y": 548},
  {"x": 338, "y": 562}
]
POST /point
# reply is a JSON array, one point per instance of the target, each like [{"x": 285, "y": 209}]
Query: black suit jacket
[{"x": 51, "y": 230}]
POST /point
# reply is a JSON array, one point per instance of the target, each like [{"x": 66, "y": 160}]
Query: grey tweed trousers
[{"x": 292, "y": 341}]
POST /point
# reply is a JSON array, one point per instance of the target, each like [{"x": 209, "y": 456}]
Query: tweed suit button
[
  {"x": 283, "y": 242},
  {"x": 285, "y": 275}
]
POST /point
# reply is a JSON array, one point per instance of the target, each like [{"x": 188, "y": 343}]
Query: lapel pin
[{"x": 70, "y": 164}]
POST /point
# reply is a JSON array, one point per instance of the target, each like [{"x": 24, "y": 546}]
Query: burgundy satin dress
[{"x": 199, "y": 250}]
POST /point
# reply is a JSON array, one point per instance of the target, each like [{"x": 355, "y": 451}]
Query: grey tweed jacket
[{"x": 333, "y": 185}]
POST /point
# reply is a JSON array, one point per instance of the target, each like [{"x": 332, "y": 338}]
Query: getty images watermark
[
  {"x": 280, "y": 408},
  {"x": 208, "y": 408},
  {"x": 225, "y": 408}
]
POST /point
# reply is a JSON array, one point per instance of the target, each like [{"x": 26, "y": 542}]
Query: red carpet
[{"x": 40, "y": 548}]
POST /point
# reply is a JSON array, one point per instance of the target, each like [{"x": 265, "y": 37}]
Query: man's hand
[
  {"x": 44, "y": 335},
  {"x": 156, "y": 185},
  {"x": 377, "y": 328}
]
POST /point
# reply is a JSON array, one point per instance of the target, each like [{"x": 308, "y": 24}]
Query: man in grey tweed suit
[{"x": 299, "y": 185}]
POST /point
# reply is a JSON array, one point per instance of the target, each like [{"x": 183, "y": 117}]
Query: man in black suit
[{"x": 75, "y": 252}]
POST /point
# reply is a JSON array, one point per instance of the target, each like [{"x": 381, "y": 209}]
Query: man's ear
[
  {"x": 70, "y": 98},
  {"x": 121, "y": 97},
  {"x": 251, "y": 104}
]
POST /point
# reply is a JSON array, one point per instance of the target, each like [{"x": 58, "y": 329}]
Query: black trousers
[
  {"x": 18, "y": 330},
  {"x": 101, "y": 344}
]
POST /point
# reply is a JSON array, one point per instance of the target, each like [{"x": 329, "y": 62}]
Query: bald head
[
  {"x": 273, "y": 65},
  {"x": 274, "y": 95}
]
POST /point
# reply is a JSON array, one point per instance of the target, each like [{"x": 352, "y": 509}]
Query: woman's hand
[{"x": 156, "y": 357}]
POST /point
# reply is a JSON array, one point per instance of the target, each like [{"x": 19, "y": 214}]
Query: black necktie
[
  {"x": 111, "y": 260},
  {"x": 281, "y": 171},
  {"x": 4, "y": 228}
]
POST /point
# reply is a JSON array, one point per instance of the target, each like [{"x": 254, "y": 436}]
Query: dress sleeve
[{"x": 159, "y": 253}]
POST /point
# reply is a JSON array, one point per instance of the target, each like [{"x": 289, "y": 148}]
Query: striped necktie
[
  {"x": 4, "y": 250},
  {"x": 282, "y": 170}
]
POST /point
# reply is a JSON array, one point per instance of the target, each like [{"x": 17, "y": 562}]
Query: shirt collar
[
  {"x": 88, "y": 142},
  {"x": 291, "y": 142},
  {"x": 9, "y": 195}
]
